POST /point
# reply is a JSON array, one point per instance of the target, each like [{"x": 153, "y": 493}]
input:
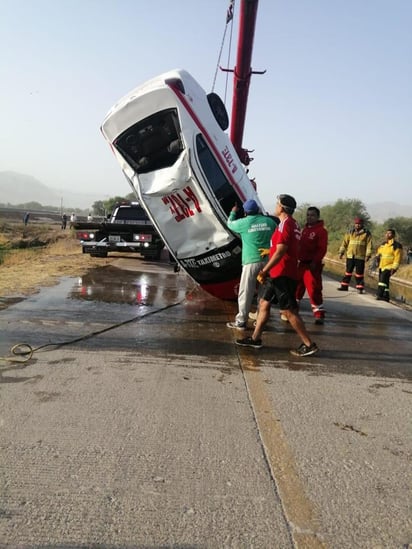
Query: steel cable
[{"x": 26, "y": 351}]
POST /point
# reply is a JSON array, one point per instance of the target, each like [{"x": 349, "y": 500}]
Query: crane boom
[{"x": 242, "y": 74}]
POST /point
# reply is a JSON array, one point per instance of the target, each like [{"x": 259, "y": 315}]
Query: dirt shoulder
[{"x": 38, "y": 256}]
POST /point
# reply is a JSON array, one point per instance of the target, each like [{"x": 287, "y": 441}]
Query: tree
[
  {"x": 343, "y": 212},
  {"x": 110, "y": 203},
  {"x": 339, "y": 218},
  {"x": 105, "y": 207},
  {"x": 300, "y": 214},
  {"x": 403, "y": 228},
  {"x": 98, "y": 208}
]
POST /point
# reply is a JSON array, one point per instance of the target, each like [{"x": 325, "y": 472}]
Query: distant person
[
  {"x": 90, "y": 217},
  {"x": 409, "y": 255},
  {"x": 26, "y": 218},
  {"x": 255, "y": 230},
  {"x": 313, "y": 246},
  {"x": 357, "y": 244},
  {"x": 64, "y": 221},
  {"x": 389, "y": 256},
  {"x": 73, "y": 219},
  {"x": 279, "y": 280}
]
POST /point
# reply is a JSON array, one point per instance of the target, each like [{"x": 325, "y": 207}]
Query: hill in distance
[
  {"x": 380, "y": 211},
  {"x": 17, "y": 188}
]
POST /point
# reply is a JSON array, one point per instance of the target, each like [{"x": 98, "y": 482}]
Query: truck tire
[{"x": 98, "y": 254}]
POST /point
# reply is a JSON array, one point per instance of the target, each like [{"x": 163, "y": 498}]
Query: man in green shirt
[{"x": 255, "y": 230}]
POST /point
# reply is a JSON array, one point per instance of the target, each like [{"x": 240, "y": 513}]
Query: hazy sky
[{"x": 331, "y": 118}]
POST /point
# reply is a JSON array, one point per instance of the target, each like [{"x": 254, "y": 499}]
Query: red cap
[{"x": 358, "y": 220}]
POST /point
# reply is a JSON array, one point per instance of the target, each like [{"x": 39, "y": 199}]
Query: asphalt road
[{"x": 138, "y": 422}]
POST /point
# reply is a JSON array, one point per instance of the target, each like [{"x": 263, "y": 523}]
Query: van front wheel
[{"x": 219, "y": 110}]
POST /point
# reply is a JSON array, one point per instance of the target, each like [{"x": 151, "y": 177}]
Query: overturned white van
[{"x": 168, "y": 136}]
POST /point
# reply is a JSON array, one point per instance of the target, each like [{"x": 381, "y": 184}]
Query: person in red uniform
[
  {"x": 313, "y": 245},
  {"x": 279, "y": 280}
]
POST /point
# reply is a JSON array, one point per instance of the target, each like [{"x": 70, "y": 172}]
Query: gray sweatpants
[{"x": 247, "y": 288}]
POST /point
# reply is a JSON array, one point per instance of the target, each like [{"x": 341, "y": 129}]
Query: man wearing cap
[
  {"x": 279, "y": 280},
  {"x": 255, "y": 230},
  {"x": 357, "y": 244}
]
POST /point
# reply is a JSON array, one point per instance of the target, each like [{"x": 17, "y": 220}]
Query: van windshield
[
  {"x": 153, "y": 143},
  {"x": 220, "y": 186}
]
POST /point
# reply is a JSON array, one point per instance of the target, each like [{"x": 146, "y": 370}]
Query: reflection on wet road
[
  {"x": 77, "y": 306},
  {"x": 111, "y": 285},
  {"x": 151, "y": 309}
]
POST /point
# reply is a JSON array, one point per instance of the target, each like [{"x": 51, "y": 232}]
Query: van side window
[{"x": 220, "y": 186}]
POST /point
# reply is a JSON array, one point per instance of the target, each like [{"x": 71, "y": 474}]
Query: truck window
[
  {"x": 220, "y": 186},
  {"x": 153, "y": 143},
  {"x": 136, "y": 214}
]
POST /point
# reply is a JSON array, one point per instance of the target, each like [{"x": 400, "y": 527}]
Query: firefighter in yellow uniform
[
  {"x": 357, "y": 244},
  {"x": 389, "y": 256}
]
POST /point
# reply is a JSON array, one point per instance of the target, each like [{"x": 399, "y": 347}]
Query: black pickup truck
[{"x": 128, "y": 229}]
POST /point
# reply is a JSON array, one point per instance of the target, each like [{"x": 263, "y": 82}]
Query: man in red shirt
[
  {"x": 281, "y": 285},
  {"x": 313, "y": 245}
]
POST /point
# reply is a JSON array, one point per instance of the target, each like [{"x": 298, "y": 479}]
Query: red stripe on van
[{"x": 189, "y": 109}]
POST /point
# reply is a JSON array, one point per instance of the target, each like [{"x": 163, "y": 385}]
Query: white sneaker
[
  {"x": 253, "y": 316},
  {"x": 284, "y": 318},
  {"x": 236, "y": 325}
]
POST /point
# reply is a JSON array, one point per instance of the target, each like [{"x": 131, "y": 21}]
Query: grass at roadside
[
  {"x": 26, "y": 269},
  {"x": 405, "y": 272}
]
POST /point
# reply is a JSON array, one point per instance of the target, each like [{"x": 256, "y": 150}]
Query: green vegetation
[
  {"x": 339, "y": 218},
  {"x": 104, "y": 207},
  {"x": 37, "y": 207}
]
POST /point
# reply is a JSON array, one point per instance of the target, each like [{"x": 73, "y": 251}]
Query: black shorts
[{"x": 281, "y": 290}]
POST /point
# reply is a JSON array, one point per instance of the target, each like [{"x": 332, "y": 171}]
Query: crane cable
[{"x": 229, "y": 19}]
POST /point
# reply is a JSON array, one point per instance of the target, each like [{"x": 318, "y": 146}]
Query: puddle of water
[
  {"x": 112, "y": 285},
  {"x": 107, "y": 285}
]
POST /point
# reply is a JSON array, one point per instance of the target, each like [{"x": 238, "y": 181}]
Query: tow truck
[{"x": 127, "y": 229}]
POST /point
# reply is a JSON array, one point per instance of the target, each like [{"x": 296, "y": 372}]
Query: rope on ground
[{"x": 24, "y": 351}]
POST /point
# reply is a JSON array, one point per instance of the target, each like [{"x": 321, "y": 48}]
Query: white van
[{"x": 168, "y": 136}]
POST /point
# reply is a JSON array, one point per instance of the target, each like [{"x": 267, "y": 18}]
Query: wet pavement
[
  {"x": 139, "y": 423},
  {"x": 149, "y": 307}
]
